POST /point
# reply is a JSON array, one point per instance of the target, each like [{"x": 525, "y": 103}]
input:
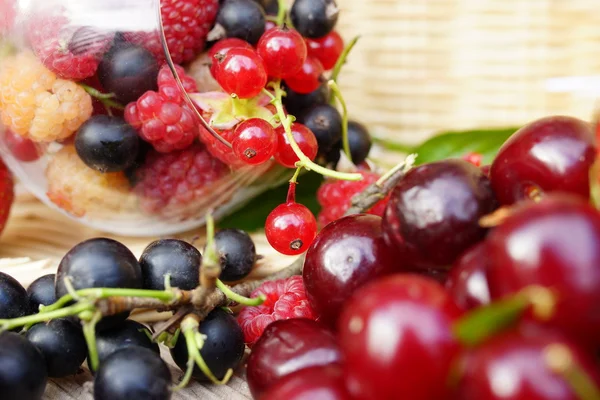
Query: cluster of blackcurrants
[{"x": 130, "y": 366}]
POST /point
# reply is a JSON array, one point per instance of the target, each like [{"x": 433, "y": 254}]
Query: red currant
[
  {"x": 306, "y": 141},
  {"x": 326, "y": 49},
  {"x": 241, "y": 72},
  {"x": 255, "y": 141},
  {"x": 308, "y": 78},
  {"x": 283, "y": 50},
  {"x": 22, "y": 148},
  {"x": 222, "y": 47}
]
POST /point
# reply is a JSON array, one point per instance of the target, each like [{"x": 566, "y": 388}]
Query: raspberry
[
  {"x": 6, "y": 194},
  {"x": 186, "y": 24},
  {"x": 286, "y": 298},
  {"x": 34, "y": 103},
  {"x": 80, "y": 190},
  {"x": 335, "y": 196},
  {"x": 71, "y": 52},
  {"x": 183, "y": 181},
  {"x": 163, "y": 118}
]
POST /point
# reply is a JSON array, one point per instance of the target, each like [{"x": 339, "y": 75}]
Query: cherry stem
[
  {"x": 342, "y": 60},
  {"x": 233, "y": 296},
  {"x": 10, "y": 324},
  {"x": 89, "y": 332},
  {"x": 281, "y": 12},
  {"x": 337, "y": 93},
  {"x": 286, "y": 122},
  {"x": 560, "y": 359},
  {"x": 595, "y": 183}
]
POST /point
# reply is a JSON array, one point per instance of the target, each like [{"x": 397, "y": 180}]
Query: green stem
[
  {"x": 10, "y": 324},
  {"x": 294, "y": 178},
  {"x": 342, "y": 60},
  {"x": 233, "y": 296},
  {"x": 210, "y": 254},
  {"x": 560, "y": 359},
  {"x": 337, "y": 93},
  {"x": 89, "y": 332},
  {"x": 304, "y": 160},
  {"x": 96, "y": 93},
  {"x": 281, "y": 12}
]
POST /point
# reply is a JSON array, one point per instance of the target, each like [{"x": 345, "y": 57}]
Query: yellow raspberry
[
  {"x": 80, "y": 190},
  {"x": 36, "y": 104}
]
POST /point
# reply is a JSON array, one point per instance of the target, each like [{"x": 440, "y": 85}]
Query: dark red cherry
[
  {"x": 397, "y": 341},
  {"x": 287, "y": 346},
  {"x": 345, "y": 255},
  {"x": 316, "y": 383},
  {"x": 556, "y": 244},
  {"x": 433, "y": 213},
  {"x": 467, "y": 282},
  {"x": 550, "y": 154},
  {"x": 517, "y": 367}
]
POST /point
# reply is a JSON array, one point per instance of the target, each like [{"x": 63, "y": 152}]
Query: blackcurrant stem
[
  {"x": 560, "y": 359},
  {"x": 246, "y": 301},
  {"x": 281, "y": 12},
  {"x": 96, "y": 93},
  {"x": 211, "y": 267},
  {"x": 89, "y": 332},
  {"x": 337, "y": 93},
  {"x": 342, "y": 60},
  {"x": 10, "y": 324}
]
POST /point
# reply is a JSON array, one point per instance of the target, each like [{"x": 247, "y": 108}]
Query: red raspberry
[
  {"x": 286, "y": 298},
  {"x": 335, "y": 196},
  {"x": 175, "y": 180},
  {"x": 163, "y": 118},
  {"x": 7, "y": 15},
  {"x": 71, "y": 52},
  {"x": 6, "y": 194},
  {"x": 186, "y": 24}
]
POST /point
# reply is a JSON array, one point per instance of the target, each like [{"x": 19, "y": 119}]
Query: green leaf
[{"x": 253, "y": 215}]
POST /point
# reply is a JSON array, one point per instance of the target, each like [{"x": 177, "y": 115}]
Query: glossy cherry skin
[
  {"x": 467, "y": 282},
  {"x": 550, "y": 154},
  {"x": 326, "y": 49},
  {"x": 254, "y": 141},
  {"x": 514, "y": 366},
  {"x": 306, "y": 140},
  {"x": 287, "y": 346},
  {"x": 283, "y": 50},
  {"x": 345, "y": 255},
  {"x": 241, "y": 72},
  {"x": 433, "y": 213},
  {"x": 291, "y": 228},
  {"x": 556, "y": 244},
  {"x": 316, "y": 383},
  {"x": 308, "y": 78},
  {"x": 395, "y": 334}
]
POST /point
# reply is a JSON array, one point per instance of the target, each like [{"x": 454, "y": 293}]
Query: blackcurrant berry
[
  {"x": 41, "y": 292},
  {"x": 223, "y": 346},
  {"x": 271, "y": 7},
  {"x": 179, "y": 259},
  {"x": 127, "y": 334},
  {"x": 128, "y": 71},
  {"x": 236, "y": 252},
  {"x": 133, "y": 373},
  {"x": 62, "y": 344},
  {"x": 297, "y": 103},
  {"x": 244, "y": 19},
  {"x": 433, "y": 213},
  {"x": 314, "y": 18},
  {"x": 107, "y": 144},
  {"x": 23, "y": 372},
  {"x": 359, "y": 141},
  {"x": 325, "y": 122},
  {"x": 14, "y": 301}
]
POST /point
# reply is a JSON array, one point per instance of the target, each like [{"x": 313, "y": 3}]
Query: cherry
[
  {"x": 283, "y": 50},
  {"x": 222, "y": 47},
  {"x": 287, "y": 346},
  {"x": 241, "y": 72},
  {"x": 433, "y": 213},
  {"x": 396, "y": 337},
  {"x": 553, "y": 243},
  {"x": 308, "y": 78},
  {"x": 550, "y": 154},
  {"x": 254, "y": 141},
  {"x": 514, "y": 366},
  {"x": 325, "y": 382},
  {"x": 22, "y": 149},
  {"x": 346, "y": 254},
  {"x": 326, "y": 49},
  {"x": 467, "y": 282},
  {"x": 305, "y": 139}
]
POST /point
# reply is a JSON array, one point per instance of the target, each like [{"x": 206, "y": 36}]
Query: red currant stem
[
  {"x": 246, "y": 301},
  {"x": 337, "y": 68},
  {"x": 337, "y": 93},
  {"x": 89, "y": 333},
  {"x": 291, "y": 194},
  {"x": 294, "y": 178},
  {"x": 559, "y": 359},
  {"x": 281, "y": 12},
  {"x": 286, "y": 122}
]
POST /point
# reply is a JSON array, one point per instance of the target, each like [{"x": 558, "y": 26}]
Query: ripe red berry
[
  {"x": 467, "y": 282},
  {"x": 254, "y": 141},
  {"x": 326, "y": 49},
  {"x": 222, "y": 47},
  {"x": 291, "y": 228},
  {"x": 308, "y": 78},
  {"x": 241, "y": 72},
  {"x": 22, "y": 148},
  {"x": 307, "y": 142},
  {"x": 283, "y": 50},
  {"x": 326, "y": 382}
]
